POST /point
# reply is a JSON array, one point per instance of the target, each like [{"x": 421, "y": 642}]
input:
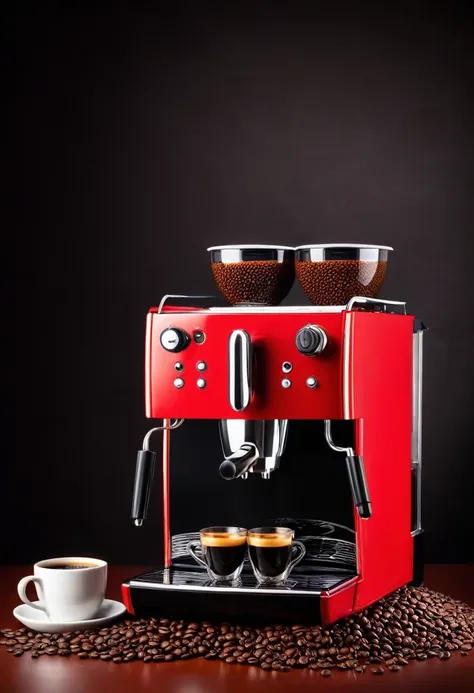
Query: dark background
[{"x": 139, "y": 137}]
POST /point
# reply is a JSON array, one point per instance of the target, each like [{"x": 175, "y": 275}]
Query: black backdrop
[{"x": 139, "y": 137}]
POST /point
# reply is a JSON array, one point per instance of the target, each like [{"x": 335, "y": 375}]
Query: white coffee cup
[{"x": 69, "y": 589}]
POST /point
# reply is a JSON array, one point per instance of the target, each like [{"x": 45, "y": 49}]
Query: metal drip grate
[
  {"x": 328, "y": 551},
  {"x": 199, "y": 581}
]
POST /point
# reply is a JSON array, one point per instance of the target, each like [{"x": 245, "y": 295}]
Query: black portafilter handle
[
  {"x": 239, "y": 463},
  {"x": 144, "y": 471},
  {"x": 358, "y": 484}
]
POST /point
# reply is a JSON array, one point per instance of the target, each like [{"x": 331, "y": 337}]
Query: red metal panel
[
  {"x": 166, "y": 493},
  {"x": 148, "y": 352},
  {"x": 380, "y": 397},
  {"x": 127, "y": 599},
  {"x": 336, "y": 605},
  {"x": 273, "y": 338},
  {"x": 365, "y": 375}
]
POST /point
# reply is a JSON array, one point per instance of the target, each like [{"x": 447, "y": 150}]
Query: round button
[
  {"x": 201, "y": 383},
  {"x": 179, "y": 367},
  {"x": 286, "y": 367},
  {"x": 201, "y": 366},
  {"x": 311, "y": 382},
  {"x": 174, "y": 339},
  {"x": 199, "y": 336},
  {"x": 311, "y": 340},
  {"x": 179, "y": 383},
  {"x": 286, "y": 383}
]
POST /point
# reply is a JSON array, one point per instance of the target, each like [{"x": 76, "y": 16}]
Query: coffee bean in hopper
[{"x": 412, "y": 624}]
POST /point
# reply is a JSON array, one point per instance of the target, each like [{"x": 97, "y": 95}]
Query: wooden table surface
[{"x": 72, "y": 675}]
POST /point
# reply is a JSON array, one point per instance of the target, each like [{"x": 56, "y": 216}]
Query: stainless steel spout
[{"x": 267, "y": 436}]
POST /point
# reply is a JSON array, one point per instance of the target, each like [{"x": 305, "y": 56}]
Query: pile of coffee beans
[
  {"x": 410, "y": 624},
  {"x": 335, "y": 282},
  {"x": 254, "y": 281}
]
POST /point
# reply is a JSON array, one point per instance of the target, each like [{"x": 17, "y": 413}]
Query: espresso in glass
[
  {"x": 222, "y": 551},
  {"x": 273, "y": 553}
]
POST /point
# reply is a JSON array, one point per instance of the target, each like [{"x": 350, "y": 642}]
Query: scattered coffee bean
[{"x": 410, "y": 624}]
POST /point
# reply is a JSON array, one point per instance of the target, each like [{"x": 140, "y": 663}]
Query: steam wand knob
[{"x": 311, "y": 340}]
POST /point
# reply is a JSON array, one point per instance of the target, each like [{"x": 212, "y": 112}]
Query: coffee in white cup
[{"x": 69, "y": 589}]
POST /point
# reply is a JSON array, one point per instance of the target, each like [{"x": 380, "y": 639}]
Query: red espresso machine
[{"x": 351, "y": 374}]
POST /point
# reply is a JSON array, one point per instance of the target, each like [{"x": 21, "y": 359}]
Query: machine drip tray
[
  {"x": 199, "y": 581},
  {"x": 180, "y": 593}
]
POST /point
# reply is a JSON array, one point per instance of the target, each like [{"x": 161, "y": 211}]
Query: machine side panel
[
  {"x": 338, "y": 604},
  {"x": 148, "y": 353},
  {"x": 380, "y": 399},
  {"x": 273, "y": 343}
]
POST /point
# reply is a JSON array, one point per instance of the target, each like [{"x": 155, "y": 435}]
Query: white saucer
[{"x": 37, "y": 620}]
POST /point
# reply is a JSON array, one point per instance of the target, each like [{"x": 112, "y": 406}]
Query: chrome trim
[
  {"x": 336, "y": 252},
  {"x": 146, "y": 440},
  {"x": 183, "y": 296},
  {"x": 240, "y": 370},
  {"x": 327, "y": 432},
  {"x": 346, "y": 344},
  {"x": 286, "y": 383},
  {"x": 247, "y": 246},
  {"x": 249, "y": 253},
  {"x": 343, "y": 245},
  {"x": 417, "y": 390},
  {"x": 375, "y": 301},
  {"x": 273, "y": 310},
  {"x": 311, "y": 382},
  {"x": 276, "y": 309},
  {"x": 228, "y": 590},
  {"x": 416, "y": 439}
]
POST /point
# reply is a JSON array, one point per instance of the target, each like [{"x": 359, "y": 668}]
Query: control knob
[
  {"x": 174, "y": 339},
  {"x": 311, "y": 340}
]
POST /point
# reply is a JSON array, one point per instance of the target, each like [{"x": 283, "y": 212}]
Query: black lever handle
[
  {"x": 239, "y": 463},
  {"x": 144, "y": 472},
  {"x": 358, "y": 483}
]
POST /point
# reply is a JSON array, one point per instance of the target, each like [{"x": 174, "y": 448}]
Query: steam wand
[
  {"x": 356, "y": 472},
  {"x": 144, "y": 471}
]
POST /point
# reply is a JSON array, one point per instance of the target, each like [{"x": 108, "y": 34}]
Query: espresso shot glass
[
  {"x": 222, "y": 552},
  {"x": 273, "y": 553}
]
